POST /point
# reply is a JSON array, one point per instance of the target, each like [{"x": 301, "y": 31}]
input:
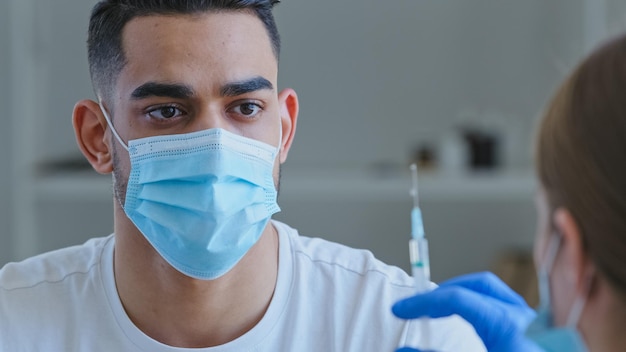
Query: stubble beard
[{"x": 119, "y": 181}]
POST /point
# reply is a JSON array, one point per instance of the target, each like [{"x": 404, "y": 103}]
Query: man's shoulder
[
  {"x": 53, "y": 266},
  {"x": 323, "y": 255},
  {"x": 61, "y": 289}
]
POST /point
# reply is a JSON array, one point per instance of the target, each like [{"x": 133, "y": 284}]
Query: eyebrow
[
  {"x": 181, "y": 91},
  {"x": 246, "y": 86},
  {"x": 156, "y": 89}
]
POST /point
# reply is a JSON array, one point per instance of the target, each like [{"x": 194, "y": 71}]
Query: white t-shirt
[{"x": 328, "y": 297}]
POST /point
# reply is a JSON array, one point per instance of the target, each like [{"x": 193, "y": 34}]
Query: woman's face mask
[{"x": 543, "y": 330}]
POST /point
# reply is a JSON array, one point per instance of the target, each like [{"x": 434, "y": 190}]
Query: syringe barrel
[{"x": 420, "y": 265}]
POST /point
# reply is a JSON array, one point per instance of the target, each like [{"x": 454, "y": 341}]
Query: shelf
[
  {"x": 355, "y": 185},
  {"x": 74, "y": 186},
  {"x": 329, "y": 184}
]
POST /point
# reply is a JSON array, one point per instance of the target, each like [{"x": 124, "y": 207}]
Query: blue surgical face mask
[
  {"x": 201, "y": 199},
  {"x": 542, "y": 330}
]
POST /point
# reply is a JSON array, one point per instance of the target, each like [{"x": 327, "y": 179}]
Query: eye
[
  {"x": 165, "y": 112},
  {"x": 247, "y": 109}
]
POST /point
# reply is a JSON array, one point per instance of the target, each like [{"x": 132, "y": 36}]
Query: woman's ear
[
  {"x": 92, "y": 137},
  {"x": 577, "y": 266},
  {"x": 288, "y": 102}
]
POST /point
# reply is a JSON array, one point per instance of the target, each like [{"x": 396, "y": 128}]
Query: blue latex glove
[{"x": 499, "y": 315}]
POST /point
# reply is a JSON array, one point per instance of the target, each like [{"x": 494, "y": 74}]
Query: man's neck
[{"x": 180, "y": 311}]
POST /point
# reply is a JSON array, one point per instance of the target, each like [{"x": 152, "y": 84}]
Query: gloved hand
[{"x": 499, "y": 315}]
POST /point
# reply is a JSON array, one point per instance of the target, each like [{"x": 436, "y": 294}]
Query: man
[{"x": 189, "y": 122}]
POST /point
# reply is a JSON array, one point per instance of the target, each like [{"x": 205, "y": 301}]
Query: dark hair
[
  {"x": 108, "y": 18},
  {"x": 581, "y": 156}
]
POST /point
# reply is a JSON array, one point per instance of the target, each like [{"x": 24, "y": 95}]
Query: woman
[{"x": 580, "y": 246}]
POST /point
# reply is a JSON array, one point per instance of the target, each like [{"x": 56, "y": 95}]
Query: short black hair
[{"x": 108, "y": 18}]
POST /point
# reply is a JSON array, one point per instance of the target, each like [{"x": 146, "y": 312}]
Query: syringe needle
[
  {"x": 418, "y": 247},
  {"x": 414, "y": 192},
  {"x": 417, "y": 226}
]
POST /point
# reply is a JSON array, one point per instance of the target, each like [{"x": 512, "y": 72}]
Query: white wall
[
  {"x": 5, "y": 130},
  {"x": 62, "y": 42},
  {"x": 377, "y": 77}
]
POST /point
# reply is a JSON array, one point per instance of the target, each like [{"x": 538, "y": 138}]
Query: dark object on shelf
[
  {"x": 483, "y": 149},
  {"x": 425, "y": 157}
]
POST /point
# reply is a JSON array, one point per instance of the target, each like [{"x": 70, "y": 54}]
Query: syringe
[{"x": 418, "y": 250}]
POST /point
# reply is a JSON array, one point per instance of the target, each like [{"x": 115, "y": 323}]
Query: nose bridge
[{"x": 212, "y": 116}]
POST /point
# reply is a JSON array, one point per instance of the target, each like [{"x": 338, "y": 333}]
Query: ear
[
  {"x": 90, "y": 129},
  {"x": 578, "y": 267},
  {"x": 288, "y": 102}
]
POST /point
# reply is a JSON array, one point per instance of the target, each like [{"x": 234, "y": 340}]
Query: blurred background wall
[
  {"x": 381, "y": 84},
  {"x": 6, "y": 237}
]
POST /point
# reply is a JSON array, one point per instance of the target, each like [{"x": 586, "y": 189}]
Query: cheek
[
  {"x": 121, "y": 157},
  {"x": 121, "y": 164}
]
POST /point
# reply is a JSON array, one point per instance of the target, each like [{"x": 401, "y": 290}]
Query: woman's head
[{"x": 581, "y": 164}]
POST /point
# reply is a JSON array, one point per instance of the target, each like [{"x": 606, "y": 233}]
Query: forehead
[{"x": 201, "y": 50}]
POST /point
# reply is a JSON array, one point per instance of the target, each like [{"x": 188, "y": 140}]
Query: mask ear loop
[
  {"x": 577, "y": 310},
  {"x": 553, "y": 247},
  {"x": 280, "y": 136},
  {"x": 119, "y": 139},
  {"x": 544, "y": 271},
  {"x": 106, "y": 117},
  {"x": 579, "y": 304}
]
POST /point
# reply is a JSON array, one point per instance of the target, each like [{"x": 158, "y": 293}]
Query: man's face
[{"x": 193, "y": 72}]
